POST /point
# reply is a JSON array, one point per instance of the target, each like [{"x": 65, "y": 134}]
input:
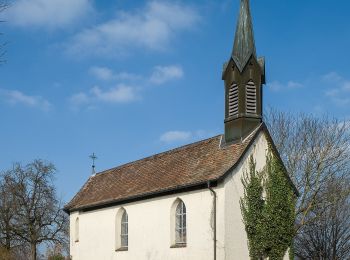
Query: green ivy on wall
[{"x": 268, "y": 210}]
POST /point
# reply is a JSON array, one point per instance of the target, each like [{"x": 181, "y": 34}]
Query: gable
[{"x": 266, "y": 144}]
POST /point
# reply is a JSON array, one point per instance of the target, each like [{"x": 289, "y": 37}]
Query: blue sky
[{"x": 127, "y": 79}]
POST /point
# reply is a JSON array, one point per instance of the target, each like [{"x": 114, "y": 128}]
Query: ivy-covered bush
[
  {"x": 252, "y": 206},
  {"x": 268, "y": 210}
]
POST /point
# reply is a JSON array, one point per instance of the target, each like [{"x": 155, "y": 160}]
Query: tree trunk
[
  {"x": 33, "y": 251},
  {"x": 7, "y": 243},
  {"x": 8, "y": 237}
]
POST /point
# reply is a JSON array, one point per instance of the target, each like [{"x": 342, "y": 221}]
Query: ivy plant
[{"x": 268, "y": 210}]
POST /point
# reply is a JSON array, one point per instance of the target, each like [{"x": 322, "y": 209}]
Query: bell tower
[{"x": 244, "y": 76}]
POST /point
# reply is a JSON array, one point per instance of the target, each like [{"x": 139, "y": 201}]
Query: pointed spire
[{"x": 244, "y": 44}]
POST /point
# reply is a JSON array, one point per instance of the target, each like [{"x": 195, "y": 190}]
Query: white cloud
[
  {"x": 152, "y": 28},
  {"x": 339, "y": 93},
  {"x": 119, "y": 94},
  {"x": 332, "y": 77},
  {"x": 106, "y": 74},
  {"x": 175, "y": 136},
  {"x": 159, "y": 75},
  {"x": 47, "y": 13},
  {"x": 123, "y": 92},
  {"x": 183, "y": 136},
  {"x": 278, "y": 86},
  {"x": 162, "y": 74},
  {"x": 79, "y": 99},
  {"x": 16, "y": 97},
  {"x": 102, "y": 73}
]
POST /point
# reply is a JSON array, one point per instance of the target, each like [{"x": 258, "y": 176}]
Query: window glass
[
  {"x": 124, "y": 230},
  {"x": 180, "y": 223}
]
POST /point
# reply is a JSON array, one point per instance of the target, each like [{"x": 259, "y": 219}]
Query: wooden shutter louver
[
  {"x": 250, "y": 98},
  {"x": 233, "y": 100}
]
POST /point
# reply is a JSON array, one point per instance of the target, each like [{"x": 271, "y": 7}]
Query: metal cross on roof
[{"x": 93, "y": 157}]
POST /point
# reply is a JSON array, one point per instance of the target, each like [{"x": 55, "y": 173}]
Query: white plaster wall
[
  {"x": 149, "y": 230},
  {"x": 236, "y": 244},
  {"x": 73, "y": 249}
]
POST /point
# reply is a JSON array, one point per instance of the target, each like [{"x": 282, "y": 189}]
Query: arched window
[
  {"x": 76, "y": 229},
  {"x": 178, "y": 228},
  {"x": 180, "y": 223},
  {"x": 124, "y": 230},
  {"x": 121, "y": 230},
  {"x": 233, "y": 100},
  {"x": 250, "y": 98}
]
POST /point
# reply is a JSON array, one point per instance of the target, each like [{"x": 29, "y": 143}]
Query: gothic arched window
[
  {"x": 180, "y": 223},
  {"x": 122, "y": 230}
]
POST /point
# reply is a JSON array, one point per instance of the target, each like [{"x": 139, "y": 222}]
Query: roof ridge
[{"x": 174, "y": 150}]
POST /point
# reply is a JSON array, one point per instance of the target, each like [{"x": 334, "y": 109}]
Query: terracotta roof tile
[{"x": 182, "y": 167}]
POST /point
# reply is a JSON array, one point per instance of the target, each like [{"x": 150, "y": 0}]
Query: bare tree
[
  {"x": 314, "y": 150},
  {"x": 7, "y": 213},
  {"x": 329, "y": 236},
  {"x": 39, "y": 216},
  {"x": 316, "y": 153}
]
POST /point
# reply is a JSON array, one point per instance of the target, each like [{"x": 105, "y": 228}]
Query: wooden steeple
[{"x": 243, "y": 75}]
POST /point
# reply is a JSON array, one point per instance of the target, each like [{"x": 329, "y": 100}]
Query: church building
[{"x": 183, "y": 204}]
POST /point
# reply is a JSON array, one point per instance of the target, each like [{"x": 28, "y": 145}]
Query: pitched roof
[{"x": 187, "y": 166}]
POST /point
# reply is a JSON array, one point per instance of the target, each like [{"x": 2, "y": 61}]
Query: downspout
[{"x": 214, "y": 207}]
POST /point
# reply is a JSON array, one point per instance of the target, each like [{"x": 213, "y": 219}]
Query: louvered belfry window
[
  {"x": 233, "y": 100},
  {"x": 250, "y": 98}
]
